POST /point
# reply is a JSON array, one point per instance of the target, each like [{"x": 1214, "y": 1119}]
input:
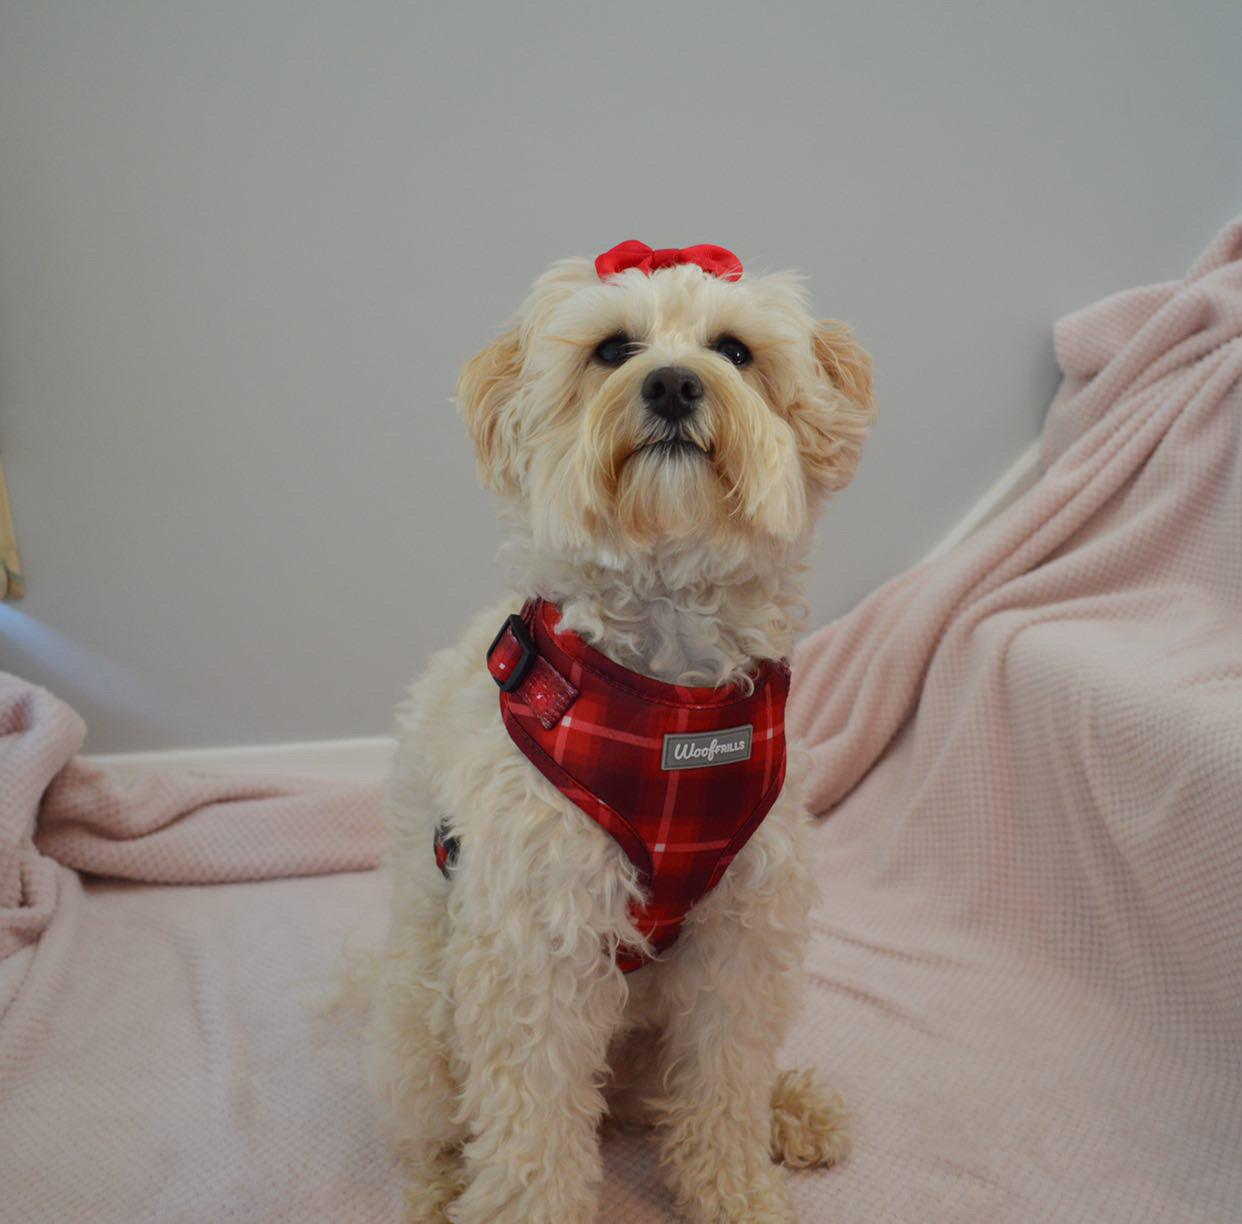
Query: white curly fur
[{"x": 501, "y": 1032}]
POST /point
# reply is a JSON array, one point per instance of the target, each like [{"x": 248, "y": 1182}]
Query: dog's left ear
[
  {"x": 831, "y": 424},
  {"x": 485, "y": 398}
]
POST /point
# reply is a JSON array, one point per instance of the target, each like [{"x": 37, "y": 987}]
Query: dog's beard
[
  {"x": 727, "y": 477},
  {"x": 667, "y": 490}
]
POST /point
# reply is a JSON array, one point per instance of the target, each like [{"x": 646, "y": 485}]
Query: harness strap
[{"x": 518, "y": 668}]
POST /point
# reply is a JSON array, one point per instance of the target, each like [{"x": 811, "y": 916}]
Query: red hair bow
[{"x": 714, "y": 260}]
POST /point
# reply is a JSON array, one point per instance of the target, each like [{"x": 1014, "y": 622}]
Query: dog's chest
[{"x": 679, "y": 778}]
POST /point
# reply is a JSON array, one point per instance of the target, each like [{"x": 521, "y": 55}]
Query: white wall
[{"x": 245, "y": 244}]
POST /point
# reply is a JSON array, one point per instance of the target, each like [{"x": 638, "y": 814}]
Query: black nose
[{"x": 672, "y": 392}]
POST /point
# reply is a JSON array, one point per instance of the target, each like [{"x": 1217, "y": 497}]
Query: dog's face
[{"x": 640, "y": 412}]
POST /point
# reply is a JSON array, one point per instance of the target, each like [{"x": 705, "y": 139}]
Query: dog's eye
[
  {"x": 614, "y": 350},
  {"x": 732, "y": 349}
]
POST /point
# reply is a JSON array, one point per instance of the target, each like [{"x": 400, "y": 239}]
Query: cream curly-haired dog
[{"x": 662, "y": 431}]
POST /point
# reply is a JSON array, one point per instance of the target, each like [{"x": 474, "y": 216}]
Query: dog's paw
[
  {"x": 808, "y": 1122},
  {"x": 761, "y": 1199},
  {"x": 432, "y": 1185}
]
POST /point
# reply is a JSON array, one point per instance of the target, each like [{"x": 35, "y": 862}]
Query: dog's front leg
[
  {"x": 536, "y": 1000},
  {"x": 731, "y": 993}
]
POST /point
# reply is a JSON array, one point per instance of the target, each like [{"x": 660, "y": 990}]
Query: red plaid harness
[{"x": 680, "y": 777}]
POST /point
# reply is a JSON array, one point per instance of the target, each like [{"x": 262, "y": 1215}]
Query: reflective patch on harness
[{"x": 707, "y": 748}]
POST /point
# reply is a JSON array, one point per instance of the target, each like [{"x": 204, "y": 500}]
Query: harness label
[{"x": 707, "y": 748}]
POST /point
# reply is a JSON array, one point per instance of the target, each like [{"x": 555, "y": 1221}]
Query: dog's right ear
[{"x": 486, "y": 392}]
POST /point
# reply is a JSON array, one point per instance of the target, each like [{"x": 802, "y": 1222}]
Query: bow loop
[{"x": 714, "y": 260}]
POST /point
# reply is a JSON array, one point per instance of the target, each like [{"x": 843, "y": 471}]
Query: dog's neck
[{"x": 667, "y": 617}]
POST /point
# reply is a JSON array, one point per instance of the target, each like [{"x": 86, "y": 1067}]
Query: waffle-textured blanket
[{"x": 1027, "y": 965}]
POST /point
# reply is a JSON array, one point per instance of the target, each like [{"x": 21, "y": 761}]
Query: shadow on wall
[{"x": 77, "y": 674}]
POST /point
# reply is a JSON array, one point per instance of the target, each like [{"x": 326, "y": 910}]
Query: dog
[{"x": 662, "y": 432}]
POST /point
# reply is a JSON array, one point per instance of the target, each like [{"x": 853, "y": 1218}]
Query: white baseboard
[
  {"x": 346, "y": 760},
  {"x": 367, "y": 760}
]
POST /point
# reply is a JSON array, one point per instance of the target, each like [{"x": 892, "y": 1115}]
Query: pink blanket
[
  {"x": 1035, "y": 868},
  {"x": 58, "y": 812},
  {"x": 1027, "y": 969},
  {"x": 157, "y": 1061}
]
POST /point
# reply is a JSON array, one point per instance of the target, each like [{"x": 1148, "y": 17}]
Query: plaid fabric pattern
[{"x": 596, "y": 731}]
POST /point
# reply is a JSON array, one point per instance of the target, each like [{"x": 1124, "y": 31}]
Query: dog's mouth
[{"x": 670, "y": 447}]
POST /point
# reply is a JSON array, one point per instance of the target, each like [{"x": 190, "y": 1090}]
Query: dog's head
[{"x": 669, "y": 402}]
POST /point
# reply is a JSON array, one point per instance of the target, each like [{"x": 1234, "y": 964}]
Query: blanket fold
[
  {"x": 1141, "y": 368},
  {"x": 166, "y": 828}
]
